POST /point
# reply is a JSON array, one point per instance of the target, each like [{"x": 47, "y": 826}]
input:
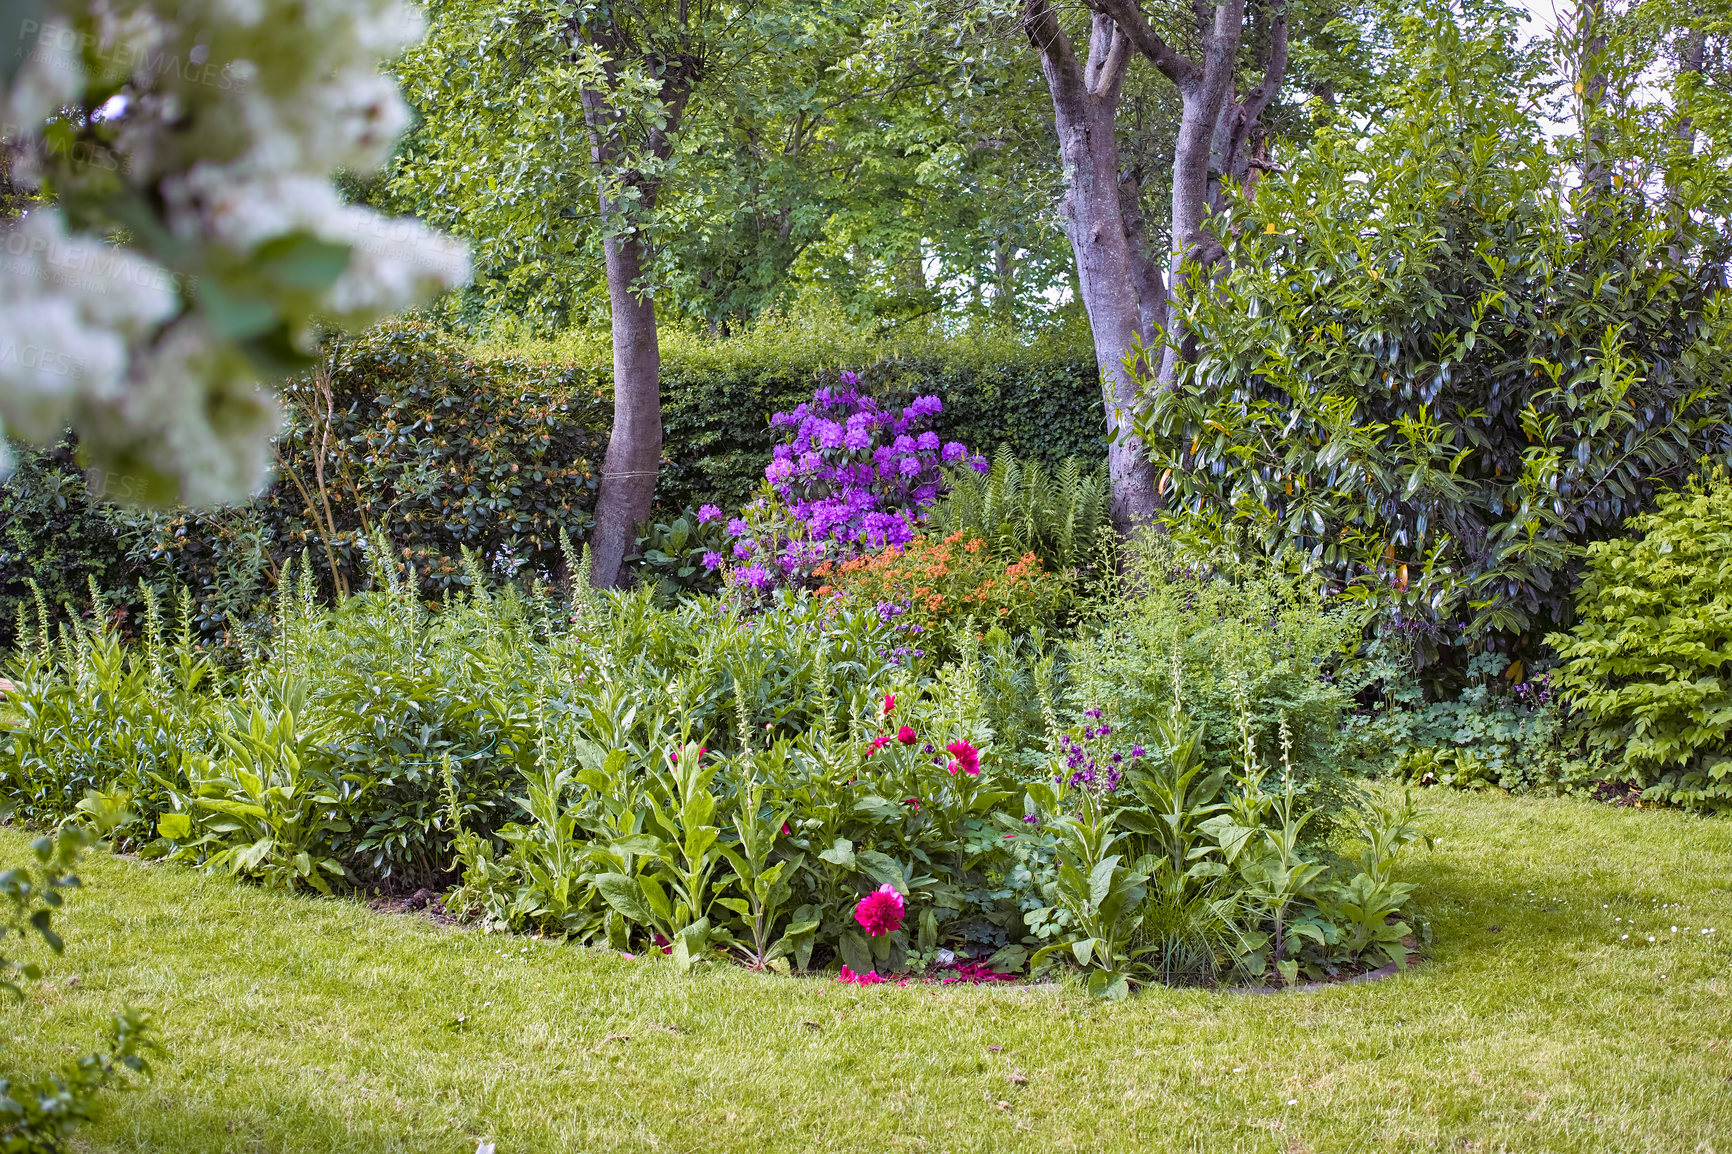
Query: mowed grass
[{"x": 295, "y": 1024}]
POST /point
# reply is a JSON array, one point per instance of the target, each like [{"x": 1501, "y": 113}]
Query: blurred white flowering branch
[{"x": 178, "y": 232}]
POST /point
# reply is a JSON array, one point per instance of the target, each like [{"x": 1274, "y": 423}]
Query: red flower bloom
[
  {"x": 967, "y": 758},
  {"x": 913, "y": 801},
  {"x": 878, "y": 743},
  {"x": 889, "y": 703},
  {"x": 881, "y": 911},
  {"x": 907, "y": 736}
]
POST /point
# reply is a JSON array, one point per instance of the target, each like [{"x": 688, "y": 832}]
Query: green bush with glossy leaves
[{"x": 1434, "y": 376}]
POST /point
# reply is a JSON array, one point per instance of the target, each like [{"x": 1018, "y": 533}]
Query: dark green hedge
[
  {"x": 1044, "y": 401},
  {"x": 1044, "y": 404},
  {"x": 436, "y": 449},
  {"x": 498, "y": 449},
  {"x": 52, "y": 532}
]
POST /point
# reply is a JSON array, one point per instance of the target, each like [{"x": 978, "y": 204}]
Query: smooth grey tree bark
[
  {"x": 634, "y": 444},
  {"x": 626, "y": 194},
  {"x": 1124, "y": 288}
]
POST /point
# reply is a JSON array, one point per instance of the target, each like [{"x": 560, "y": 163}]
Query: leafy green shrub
[
  {"x": 1259, "y": 645},
  {"x": 718, "y": 776},
  {"x": 1206, "y": 873},
  {"x": 403, "y": 434},
  {"x": 1020, "y": 507},
  {"x": 1649, "y": 660},
  {"x": 1497, "y": 732},
  {"x": 671, "y": 553},
  {"x": 1440, "y": 408}
]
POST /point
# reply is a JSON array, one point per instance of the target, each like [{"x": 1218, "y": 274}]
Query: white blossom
[{"x": 231, "y": 116}]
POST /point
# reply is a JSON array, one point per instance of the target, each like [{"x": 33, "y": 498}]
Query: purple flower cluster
[
  {"x": 1083, "y": 768},
  {"x": 1537, "y": 692},
  {"x": 856, "y": 473},
  {"x": 849, "y": 475}
]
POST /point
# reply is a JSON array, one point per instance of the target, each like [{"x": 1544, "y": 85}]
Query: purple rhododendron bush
[
  {"x": 773, "y": 775},
  {"x": 849, "y": 476}
]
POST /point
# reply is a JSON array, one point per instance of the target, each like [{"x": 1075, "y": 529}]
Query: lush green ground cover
[{"x": 298, "y": 1024}]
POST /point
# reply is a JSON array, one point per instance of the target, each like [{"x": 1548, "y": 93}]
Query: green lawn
[{"x": 294, "y": 1024}]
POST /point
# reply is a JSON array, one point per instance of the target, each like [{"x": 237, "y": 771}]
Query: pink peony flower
[
  {"x": 878, "y": 743},
  {"x": 881, "y": 911},
  {"x": 966, "y": 758},
  {"x": 889, "y": 703},
  {"x": 907, "y": 736},
  {"x": 870, "y": 978}
]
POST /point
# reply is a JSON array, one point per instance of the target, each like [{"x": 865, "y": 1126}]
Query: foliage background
[
  {"x": 494, "y": 447},
  {"x": 1441, "y": 365}
]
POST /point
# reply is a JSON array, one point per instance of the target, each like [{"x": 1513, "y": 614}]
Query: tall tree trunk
[
  {"x": 1085, "y": 108},
  {"x": 1119, "y": 278},
  {"x": 1690, "y": 60},
  {"x": 634, "y": 447},
  {"x": 1596, "y": 172}
]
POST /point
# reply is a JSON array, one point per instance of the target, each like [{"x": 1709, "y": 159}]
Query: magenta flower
[
  {"x": 966, "y": 758},
  {"x": 881, "y": 911},
  {"x": 907, "y": 736},
  {"x": 889, "y": 701},
  {"x": 851, "y": 978}
]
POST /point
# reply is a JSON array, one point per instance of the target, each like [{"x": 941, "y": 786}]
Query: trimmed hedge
[
  {"x": 717, "y": 397},
  {"x": 442, "y": 446},
  {"x": 53, "y": 533},
  {"x": 436, "y": 449},
  {"x": 1045, "y": 405}
]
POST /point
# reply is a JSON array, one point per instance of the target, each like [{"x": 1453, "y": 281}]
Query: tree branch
[
  {"x": 1274, "y": 71},
  {"x": 1145, "y": 269},
  {"x": 1041, "y": 25},
  {"x": 1129, "y": 18},
  {"x": 1109, "y": 56}
]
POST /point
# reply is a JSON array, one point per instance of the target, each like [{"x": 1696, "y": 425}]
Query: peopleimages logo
[
  {"x": 71, "y": 48},
  {"x": 40, "y": 360},
  {"x": 91, "y": 268}
]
